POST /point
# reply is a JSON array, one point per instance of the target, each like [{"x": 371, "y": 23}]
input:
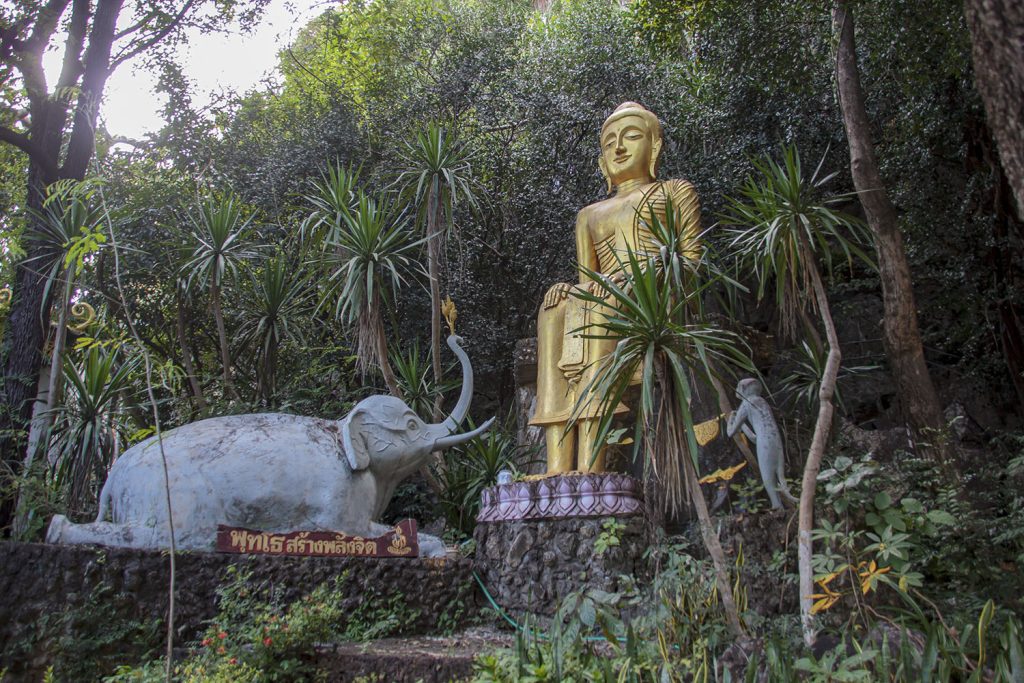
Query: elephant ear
[{"x": 352, "y": 439}]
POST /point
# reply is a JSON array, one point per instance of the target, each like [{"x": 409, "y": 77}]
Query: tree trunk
[
  {"x": 29, "y": 319},
  {"x": 434, "y": 268},
  {"x": 918, "y": 399},
  {"x": 270, "y": 376},
  {"x": 1004, "y": 256},
  {"x": 382, "y": 355},
  {"x": 222, "y": 337},
  {"x": 813, "y": 465},
  {"x": 54, "y": 386},
  {"x": 42, "y": 414},
  {"x": 434, "y": 271},
  {"x": 24, "y": 339},
  {"x": 997, "y": 49},
  {"x": 667, "y": 436},
  {"x": 186, "y": 354}
]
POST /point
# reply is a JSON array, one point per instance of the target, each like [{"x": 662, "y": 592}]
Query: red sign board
[{"x": 402, "y": 541}]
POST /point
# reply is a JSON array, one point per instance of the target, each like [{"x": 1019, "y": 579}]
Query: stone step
[{"x": 429, "y": 659}]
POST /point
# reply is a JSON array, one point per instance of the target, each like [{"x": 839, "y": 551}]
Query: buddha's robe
[{"x": 566, "y": 361}]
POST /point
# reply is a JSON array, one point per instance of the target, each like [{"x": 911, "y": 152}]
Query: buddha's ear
[
  {"x": 604, "y": 172},
  {"x": 655, "y": 153}
]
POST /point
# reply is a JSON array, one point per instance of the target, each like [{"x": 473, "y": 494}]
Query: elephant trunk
[
  {"x": 456, "y": 439},
  {"x": 462, "y": 407}
]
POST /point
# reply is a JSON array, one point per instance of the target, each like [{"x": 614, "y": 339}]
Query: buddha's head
[{"x": 630, "y": 145}]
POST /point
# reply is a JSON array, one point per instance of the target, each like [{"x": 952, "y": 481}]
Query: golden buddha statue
[{"x": 631, "y": 144}]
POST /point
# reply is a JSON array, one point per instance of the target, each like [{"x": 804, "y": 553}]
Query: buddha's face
[{"x": 626, "y": 149}]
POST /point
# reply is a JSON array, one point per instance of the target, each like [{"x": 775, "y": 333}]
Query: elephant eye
[{"x": 413, "y": 425}]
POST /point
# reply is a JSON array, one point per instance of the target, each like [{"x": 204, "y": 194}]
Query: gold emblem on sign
[{"x": 399, "y": 544}]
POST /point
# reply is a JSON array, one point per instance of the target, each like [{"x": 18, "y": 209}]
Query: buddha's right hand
[{"x": 557, "y": 294}]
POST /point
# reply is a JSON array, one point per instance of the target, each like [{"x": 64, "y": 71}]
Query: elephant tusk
[{"x": 456, "y": 439}]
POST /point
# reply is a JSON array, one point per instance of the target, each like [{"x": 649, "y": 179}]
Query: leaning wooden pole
[
  {"x": 172, "y": 546},
  {"x": 714, "y": 548},
  {"x": 822, "y": 427}
]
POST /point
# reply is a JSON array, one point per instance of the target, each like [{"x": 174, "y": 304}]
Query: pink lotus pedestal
[{"x": 536, "y": 539}]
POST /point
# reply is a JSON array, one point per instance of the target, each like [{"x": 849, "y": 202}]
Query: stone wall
[
  {"x": 529, "y": 565},
  {"x": 524, "y": 363},
  {"x": 40, "y": 579}
]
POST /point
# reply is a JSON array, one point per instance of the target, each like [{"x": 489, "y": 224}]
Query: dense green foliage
[
  {"x": 526, "y": 92},
  {"x": 257, "y": 637},
  {"x": 267, "y": 258}
]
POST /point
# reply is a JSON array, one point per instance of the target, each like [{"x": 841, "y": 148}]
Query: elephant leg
[
  {"x": 62, "y": 530},
  {"x": 431, "y": 546}
]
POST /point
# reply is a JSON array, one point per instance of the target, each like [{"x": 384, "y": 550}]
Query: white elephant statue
[{"x": 271, "y": 472}]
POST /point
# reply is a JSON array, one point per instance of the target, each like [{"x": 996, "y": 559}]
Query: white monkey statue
[{"x": 754, "y": 417}]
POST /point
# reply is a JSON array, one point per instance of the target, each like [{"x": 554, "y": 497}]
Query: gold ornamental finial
[
  {"x": 450, "y": 313},
  {"x": 85, "y": 314}
]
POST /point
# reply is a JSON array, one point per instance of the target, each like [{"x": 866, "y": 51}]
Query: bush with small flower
[{"x": 256, "y": 639}]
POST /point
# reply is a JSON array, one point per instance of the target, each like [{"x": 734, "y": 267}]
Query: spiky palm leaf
[
  {"x": 655, "y": 316},
  {"x": 436, "y": 166},
  {"x": 68, "y": 216},
  {"x": 779, "y": 221},
  {"x": 412, "y": 370},
  {"x": 374, "y": 252},
  {"x": 471, "y": 467},
  {"x": 281, "y": 295},
  {"x": 89, "y": 422},
  {"x": 333, "y": 196},
  {"x": 219, "y": 229},
  {"x": 803, "y": 382}
]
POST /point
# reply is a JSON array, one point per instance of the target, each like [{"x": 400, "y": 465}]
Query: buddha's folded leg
[
  {"x": 554, "y": 399},
  {"x": 592, "y": 408}
]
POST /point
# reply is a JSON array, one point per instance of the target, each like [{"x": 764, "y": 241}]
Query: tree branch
[
  {"x": 303, "y": 67},
  {"x": 46, "y": 24},
  {"x": 72, "y": 68},
  {"x": 97, "y": 68},
  {"x": 25, "y": 144},
  {"x": 155, "y": 38},
  {"x": 136, "y": 26},
  {"x": 9, "y": 41}
]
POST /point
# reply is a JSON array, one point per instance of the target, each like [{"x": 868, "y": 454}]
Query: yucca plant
[
  {"x": 803, "y": 382},
  {"x": 281, "y": 294},
  {"x": 90, "y": 424},
  {"x": 470, "y": 468},
  {"x": 656, "y": 317},
  {"x": 415, "y": 378},
  {"x": 780, "y": 229},
  {"x": 333, "y": 196},
  {"x": 373, "y": 253},
  {"x": 219, "y": 230},
  {"x": 69, "y": 224},
  {"x": 437, "y": 175}
]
